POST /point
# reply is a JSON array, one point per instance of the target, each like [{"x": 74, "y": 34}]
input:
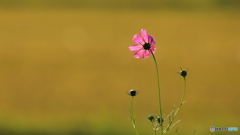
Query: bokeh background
[{"x": 65, "y": 66}]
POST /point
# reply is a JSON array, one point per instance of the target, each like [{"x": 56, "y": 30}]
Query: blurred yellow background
[{"x": 65, "y": 66}]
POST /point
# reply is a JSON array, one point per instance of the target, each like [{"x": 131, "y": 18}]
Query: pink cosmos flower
[{"x": 145, "y": 45}]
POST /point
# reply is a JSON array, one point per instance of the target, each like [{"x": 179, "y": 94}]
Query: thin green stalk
[
  {"x": 154, "y": 129},
  {"x": 133, "y": 118},
  {"x": 159, "y": 92},
  {"x": 175, "y": 114}
]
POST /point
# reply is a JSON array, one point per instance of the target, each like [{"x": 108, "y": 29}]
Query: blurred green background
[{"x": 65, "y": 66}]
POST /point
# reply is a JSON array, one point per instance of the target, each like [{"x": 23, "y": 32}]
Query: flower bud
[
  {"x": 132, "y": 93},
  {"x": 183, "y": 73},
  {"x": 160, "y": 120},
  {"x": 151, "y": 118}
]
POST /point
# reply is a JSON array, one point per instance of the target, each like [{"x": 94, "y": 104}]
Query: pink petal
[
  {"x": 137, "y": 39},
  {"x": 146, "y": 54},
  {"x": 144, "y": 35},
  {"x": 139, "y": 54},
  {"x": 151, "y": 40},
  {"x": 153, "y": 49},
  {"x": 135, "y": 47}
]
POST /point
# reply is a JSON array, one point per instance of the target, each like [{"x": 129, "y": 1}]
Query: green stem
[
  {"x": 132, "y": 117},
  {"x": 154, "y": 131},
  {"x": 159, "y": 92},
  {"x": 175, "y": 114}
]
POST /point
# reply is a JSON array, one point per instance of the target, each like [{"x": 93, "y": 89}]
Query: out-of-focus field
[{"x": 68, "y": 71}]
